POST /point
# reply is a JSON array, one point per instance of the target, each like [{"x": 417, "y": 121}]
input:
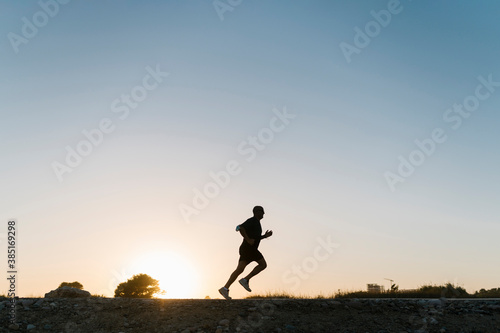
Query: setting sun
[{"x": 175, "y": 274}]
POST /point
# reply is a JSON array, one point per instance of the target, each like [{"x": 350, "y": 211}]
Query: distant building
[{"x": 374, "y": 288}]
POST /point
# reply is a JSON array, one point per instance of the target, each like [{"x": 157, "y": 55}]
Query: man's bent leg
[
  {"x": 239, "y": 269},
  {"x": 259, "y": 268}
]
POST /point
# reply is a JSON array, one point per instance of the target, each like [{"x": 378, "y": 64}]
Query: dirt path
[{"x": 267, "y": 315}]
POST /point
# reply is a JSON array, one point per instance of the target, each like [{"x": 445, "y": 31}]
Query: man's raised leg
[
  {"x": 262, "y": 264},
  {"x": 259, "y": 268}
]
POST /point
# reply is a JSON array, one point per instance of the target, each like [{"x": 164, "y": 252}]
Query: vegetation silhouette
[
  {"x": 492, "y": 293},
  {"x": 139, "y": 286},
  {"x": 75, "y": 284},
  {"x": 426, "y": 291}
]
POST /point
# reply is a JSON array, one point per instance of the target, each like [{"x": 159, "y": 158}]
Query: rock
[
  {"x": 224, "y": 322},
  {"x": 335, "y": 304},
  {"x": 67, "y": 292},
  {"x": 30, "y": 327},
  {"x": 355, "y": 304},
  {"x": 38, "y": 303},
  {"x": 14, "y": 327},
  {"x": 435, "y": 302},
  {"x": 27, "y": 302},
  {"x": 47, "y": 327}
]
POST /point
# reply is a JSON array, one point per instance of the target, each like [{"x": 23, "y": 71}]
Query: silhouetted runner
[{"x": 251, "y": 230}]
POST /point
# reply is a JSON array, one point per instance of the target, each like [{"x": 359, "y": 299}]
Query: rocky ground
[{"x": 92, "y": 314}]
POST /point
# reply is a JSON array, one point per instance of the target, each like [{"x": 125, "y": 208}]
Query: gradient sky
[{"x": 322, "y": 175}]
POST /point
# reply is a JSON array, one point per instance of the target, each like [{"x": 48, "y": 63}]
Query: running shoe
[
  {"x": 244, "y": 283},
  {"x": 224, "y": 292}
]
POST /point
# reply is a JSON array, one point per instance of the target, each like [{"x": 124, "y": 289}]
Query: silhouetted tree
[
  {"x": 75, "y": 284},
  {"x": 138, "y": 286},
  {"x": 493, "y": 293}
]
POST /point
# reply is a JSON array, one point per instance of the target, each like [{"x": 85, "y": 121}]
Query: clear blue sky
[{"x": 322, "y": 174}]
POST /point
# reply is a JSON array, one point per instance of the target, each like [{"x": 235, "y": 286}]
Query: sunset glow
[{"x": 176, "y": 275}]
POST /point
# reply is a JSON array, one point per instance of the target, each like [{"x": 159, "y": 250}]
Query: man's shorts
[{"x": 250, "y": 254}]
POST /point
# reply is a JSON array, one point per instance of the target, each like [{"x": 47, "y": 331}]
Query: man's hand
[{"x": 268, "y": 233}]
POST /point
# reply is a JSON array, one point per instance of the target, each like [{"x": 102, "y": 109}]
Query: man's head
[{"x": 258, "y": 212}]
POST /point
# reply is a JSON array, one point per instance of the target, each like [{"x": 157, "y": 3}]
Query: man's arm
[{"x": 243, "y": 233}]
